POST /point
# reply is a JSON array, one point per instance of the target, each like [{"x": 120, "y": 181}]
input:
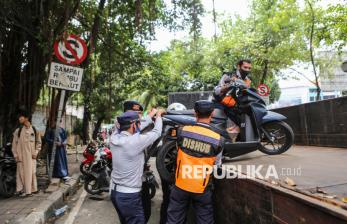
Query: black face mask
[{"x": 244, "y": 73}]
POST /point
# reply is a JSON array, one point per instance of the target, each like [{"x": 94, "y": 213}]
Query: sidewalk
[{"x": 16, "y": 209}]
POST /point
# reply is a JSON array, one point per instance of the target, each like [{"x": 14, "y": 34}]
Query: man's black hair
[
  {"x": 124, "y": 127},
  {"x": 240, "y": 62},
  {"x": 24, "y": 113},
  {"x": 129, "y": 104},
  {"x": 203, "y": 115}
]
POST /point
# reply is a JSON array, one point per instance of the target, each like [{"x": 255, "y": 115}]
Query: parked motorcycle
[
  {"x": 7, "y": 172},
  {"x": 97, "y": 170},
  {"x": 260, "y": 129},
  {"x": 89, "y": 154}
]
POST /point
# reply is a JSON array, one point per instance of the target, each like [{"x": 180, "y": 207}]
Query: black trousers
[
  {"x": 179, "y": 205},
  {"x": 129, "y": 207},
  {"x": 229, "y": 112},
  {"x": 166, "y": 188}
]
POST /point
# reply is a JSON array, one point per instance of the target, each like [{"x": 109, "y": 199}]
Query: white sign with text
[{"x": 65, "y": 77}]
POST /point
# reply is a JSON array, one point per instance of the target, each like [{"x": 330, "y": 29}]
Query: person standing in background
[
  {"x": 60, "y": 168},
  {"x": 25, "y": 147}
]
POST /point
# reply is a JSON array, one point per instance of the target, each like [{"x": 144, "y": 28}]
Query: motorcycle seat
[
  {"x": 191, "y": 113},
  {"x": 180, "y": 112}
]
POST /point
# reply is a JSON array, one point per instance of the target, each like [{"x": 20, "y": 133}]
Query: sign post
[
  {"x": 264, "y": 91},
  {"x": 72, "y": 50}
]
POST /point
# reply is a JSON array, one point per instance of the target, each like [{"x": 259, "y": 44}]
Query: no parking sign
[
  {"x": 263, "y": 90},
  {"x": 72, "y": 50}
]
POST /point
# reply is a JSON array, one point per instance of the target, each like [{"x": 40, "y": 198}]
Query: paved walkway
[{"x": 15, "y": 209}]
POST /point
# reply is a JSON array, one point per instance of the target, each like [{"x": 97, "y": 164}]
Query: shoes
[
  {"x": 23, "y": 195},
  {"x": 18, "y": 193},
  {"x": 67, "y": 178}
]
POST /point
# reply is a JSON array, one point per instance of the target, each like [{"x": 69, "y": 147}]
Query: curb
[{"x": 55, "y": 200}]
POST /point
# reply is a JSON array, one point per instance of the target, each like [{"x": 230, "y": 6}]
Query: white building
[{"x": 298, "y": 89}]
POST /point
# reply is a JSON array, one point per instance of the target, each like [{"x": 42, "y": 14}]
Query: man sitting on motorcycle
[{"x": 224, "y": 103}]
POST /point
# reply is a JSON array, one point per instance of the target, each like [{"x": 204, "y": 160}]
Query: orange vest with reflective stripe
[{"x": 198, "y": 147}]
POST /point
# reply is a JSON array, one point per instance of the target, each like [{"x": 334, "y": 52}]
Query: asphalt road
[{"x": 85, "y": 208}]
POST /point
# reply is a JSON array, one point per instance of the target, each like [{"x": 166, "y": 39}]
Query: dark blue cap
[
  {"x": 128, "y": 118},
  {"x": 203, "y": 106}
]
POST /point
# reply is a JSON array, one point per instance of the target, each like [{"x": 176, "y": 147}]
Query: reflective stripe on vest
[{"x": 196, "y": 156}]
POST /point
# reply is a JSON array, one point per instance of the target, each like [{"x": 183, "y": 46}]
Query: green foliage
[
  {"x": 274, "y": 37},
  {"x": 77, "y": 130}
]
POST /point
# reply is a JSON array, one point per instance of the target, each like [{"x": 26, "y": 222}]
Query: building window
[{"x": 328, "y": 97}]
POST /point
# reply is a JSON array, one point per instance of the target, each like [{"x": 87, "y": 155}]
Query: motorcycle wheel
[
  {"x": 91, "y": 185},
  {"x": 166, "y": 161},
  {"x": 84, "y": 169},
  {"x": 282, "y": 138},
  {"x": 7, "y": 183}
]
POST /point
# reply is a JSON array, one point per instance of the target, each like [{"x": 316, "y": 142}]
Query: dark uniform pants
[
  {"x": 129, "y": 207},
  {"x": 166, "y": 188},
  {"x": 179, "y": 205},
  {"x": 229, "y": 112}
]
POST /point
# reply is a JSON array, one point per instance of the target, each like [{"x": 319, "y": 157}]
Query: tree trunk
[
  {"x": 97, "y": 127},
  {"x": 265, "y": 71},
  {"x": 313, "y": 62},
  {"x": 85, "y": 124},
  {"x": 91, "y": 48},
  {"x": 26, "y": 45},
  {"x": 214, "y": 21}
]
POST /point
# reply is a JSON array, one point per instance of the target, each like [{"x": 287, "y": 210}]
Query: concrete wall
[
  {"x": 255, "y": 201},
  {"x": 322, "y": 123},
  {"x": 40, "y": 116}
]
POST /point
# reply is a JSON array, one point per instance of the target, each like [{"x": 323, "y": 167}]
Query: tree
[
  {"x": 27, "y": 32},
  {"x": 322, "y": 28}
]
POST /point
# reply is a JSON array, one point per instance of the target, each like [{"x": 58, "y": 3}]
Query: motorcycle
[
  {"x": 260, "y": 129},
  {"x": 89, "y": 153},
  {"x": 97, "y": 172},
  {"x": 8, "y": 168},
  {"x": 98, "y": 168}
]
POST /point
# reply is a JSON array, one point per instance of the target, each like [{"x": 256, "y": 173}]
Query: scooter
[
  {"x": 260, "y": 129},
  {"x": 7, "y": 172}
]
